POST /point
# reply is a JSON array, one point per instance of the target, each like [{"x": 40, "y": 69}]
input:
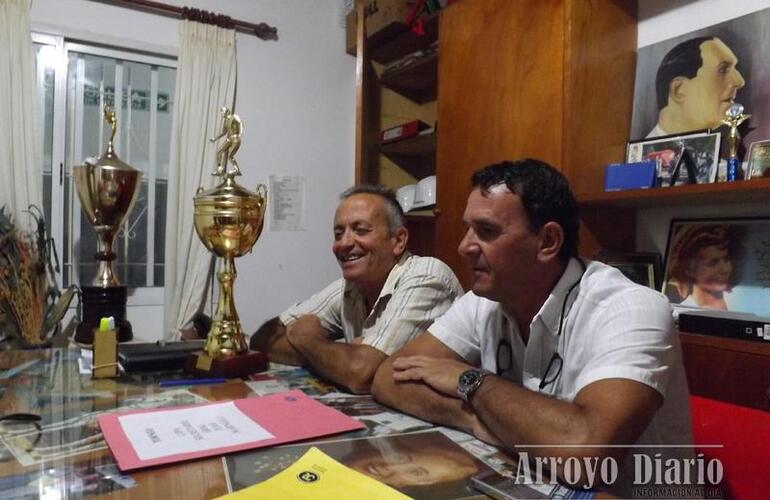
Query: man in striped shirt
[{"x": 385, "y": 297}]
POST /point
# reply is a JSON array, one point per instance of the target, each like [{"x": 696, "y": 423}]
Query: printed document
[{"x": 165, "y": 433}]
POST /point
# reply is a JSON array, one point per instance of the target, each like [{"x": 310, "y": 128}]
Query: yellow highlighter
[{"x": 105, "y": 350}]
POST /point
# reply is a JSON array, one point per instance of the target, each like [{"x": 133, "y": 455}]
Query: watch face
[{"x": 469, "y": 377}]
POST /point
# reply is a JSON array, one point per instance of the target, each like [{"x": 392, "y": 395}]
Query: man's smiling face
[{"x": 363, "y": 243}]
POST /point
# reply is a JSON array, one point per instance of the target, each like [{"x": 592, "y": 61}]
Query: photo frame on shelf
[
  {"x": 719, "y": 264},
  {"x": 759, "y": 160},
  {"x": 643, "y": 268},
  {"x": 671, "y": 151}
]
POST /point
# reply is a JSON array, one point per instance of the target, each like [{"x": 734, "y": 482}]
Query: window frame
[{"x": 63, "y": 45}]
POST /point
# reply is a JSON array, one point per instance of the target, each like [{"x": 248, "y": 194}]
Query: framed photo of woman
[{"x": 719, "y": 264}]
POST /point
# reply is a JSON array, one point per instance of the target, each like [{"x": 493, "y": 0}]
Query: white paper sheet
[
  {"x": 287, "y": 203},
  {"x": 164, "y": 433}
]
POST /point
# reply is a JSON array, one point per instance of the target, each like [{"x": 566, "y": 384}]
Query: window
[{"x": 74, "y": 82}]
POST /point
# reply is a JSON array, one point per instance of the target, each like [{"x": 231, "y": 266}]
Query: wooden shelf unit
[
  {"x": 689, "y": 194},
  {"x": 416, "y": 82},
  {"x": 421, "y": 227},
  {"x": 419, "y": 145},
  {"x": 401, "y": 40},
  {"x": 416, "y": 155},
  {"x": 386, "y": 99}
]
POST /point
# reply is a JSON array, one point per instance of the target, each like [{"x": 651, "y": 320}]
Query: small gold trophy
[
  {"x": 733, "y": 119},
  {"x": 228, "y": 220},
  {"x": 107, "y": 190}
]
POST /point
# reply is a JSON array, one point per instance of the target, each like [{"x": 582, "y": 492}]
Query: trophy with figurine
[
  {"x": 228, "y": 220},
  {"x": 734, "y": 118},
  {"x": 107, "y": 190}
]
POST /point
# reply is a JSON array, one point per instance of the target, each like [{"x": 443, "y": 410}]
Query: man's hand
[
  {"x": 305, "y": 328},
  {"x": 482, "y": 432},
  {"x": 441, "y": 374},
  {"x": 271, "y": 339}
]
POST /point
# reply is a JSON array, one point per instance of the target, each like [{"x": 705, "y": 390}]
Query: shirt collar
[{"x": 550, "y": 312}]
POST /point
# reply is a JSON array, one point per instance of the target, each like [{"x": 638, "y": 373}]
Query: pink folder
[{"x": 289, "y": 416}]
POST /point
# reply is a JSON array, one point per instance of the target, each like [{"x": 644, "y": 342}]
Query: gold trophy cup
[
  {"x": 107, "y": 190},
  {"x": 228, "y": 220}
]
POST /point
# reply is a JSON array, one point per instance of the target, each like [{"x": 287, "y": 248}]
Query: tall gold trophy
[
  {"x": 107, "y": 192},
  {"x": 228, "y": 220}
]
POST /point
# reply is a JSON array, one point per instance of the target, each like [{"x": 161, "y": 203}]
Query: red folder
[{"x": 289, "y": 416}]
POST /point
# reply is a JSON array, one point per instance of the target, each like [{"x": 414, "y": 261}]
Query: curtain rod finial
[{"x": 266, "y": 32}]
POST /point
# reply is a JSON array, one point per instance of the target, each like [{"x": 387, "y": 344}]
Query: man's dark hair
[
  {"x": 683, "y": 60},
  {"x": 544, "y": 193},
  {"x": 392, "y": 208}
]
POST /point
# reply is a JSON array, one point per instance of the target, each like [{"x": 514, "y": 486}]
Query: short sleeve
[
  {"x": 326, "y": 304},
  {"x": 633, "y": 338},
  {"x": 417, "y": 300},
  {"x": 457, "y": 329}
]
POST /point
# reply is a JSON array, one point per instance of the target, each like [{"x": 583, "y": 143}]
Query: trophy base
[
  {"x": 239, "y": 366},
  {"x": 99, "y": 303}
]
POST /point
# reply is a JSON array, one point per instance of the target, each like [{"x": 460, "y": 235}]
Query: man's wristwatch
[{"x": 469, "y": 381}]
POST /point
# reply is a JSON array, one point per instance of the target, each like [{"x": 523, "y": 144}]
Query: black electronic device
[
  {"x": 726, "y": 324},
  {"x": 157, "y": 356}
]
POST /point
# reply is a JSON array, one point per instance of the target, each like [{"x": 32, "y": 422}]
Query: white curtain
[
  {"x": 21, "y": 182},
  {"x": 205, "y": 81}
]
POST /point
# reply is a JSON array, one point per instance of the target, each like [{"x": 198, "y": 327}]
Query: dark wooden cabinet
[{"x": 732, "y": 370}]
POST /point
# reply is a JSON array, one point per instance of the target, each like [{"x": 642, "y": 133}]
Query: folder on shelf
[{"x": 403, "y": 131}]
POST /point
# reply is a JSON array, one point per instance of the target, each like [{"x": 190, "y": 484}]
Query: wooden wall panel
[
  {"x": 500, "y": 85},
  {"x": 600, "y": 62}
]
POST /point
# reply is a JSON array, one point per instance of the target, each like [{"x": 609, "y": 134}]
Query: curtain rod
[{"x": 261, "y": 30}]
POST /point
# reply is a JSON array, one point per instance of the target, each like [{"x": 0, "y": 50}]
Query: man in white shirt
[
  {"x": 547, "y": 354},
  {"x": 695, "y": 84},
  {"x": 385, "y": 297}
]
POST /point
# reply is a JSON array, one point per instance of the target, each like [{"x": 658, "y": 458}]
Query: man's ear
[
  {"x": 401, "y": 237},
  {"x": 676, "y": 89},
  {"x": 551, "y": 237}
]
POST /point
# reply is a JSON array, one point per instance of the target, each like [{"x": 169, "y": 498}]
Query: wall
[
  {"x": 660, "y": 20},
  {"x": 296, "y": 98}
]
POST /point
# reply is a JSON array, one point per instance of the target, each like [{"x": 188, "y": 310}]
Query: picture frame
[
  {"x": 667, "y": 151},
  {"x": 719, "y": 263},
  {"x": 759, "y": 160},
  {"x": 643, "y": 268}
]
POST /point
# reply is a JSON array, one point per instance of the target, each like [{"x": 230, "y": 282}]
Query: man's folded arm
[
  {"x": 612, "y": 411},
  {"x": 351, "y": 366},
  {"x": 418, "y": 398},
  {"x": 270, "y": 338}
]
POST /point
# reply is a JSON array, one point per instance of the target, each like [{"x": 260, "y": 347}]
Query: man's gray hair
[{"x": 392, "y": 208}]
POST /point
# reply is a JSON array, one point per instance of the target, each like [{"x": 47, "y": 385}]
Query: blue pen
[{"x": 192, "y": 381}]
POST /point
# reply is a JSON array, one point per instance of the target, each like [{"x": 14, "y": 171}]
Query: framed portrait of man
[
  {"x": 719, "y": 264},
  {"x": 688, "y": 82}
]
